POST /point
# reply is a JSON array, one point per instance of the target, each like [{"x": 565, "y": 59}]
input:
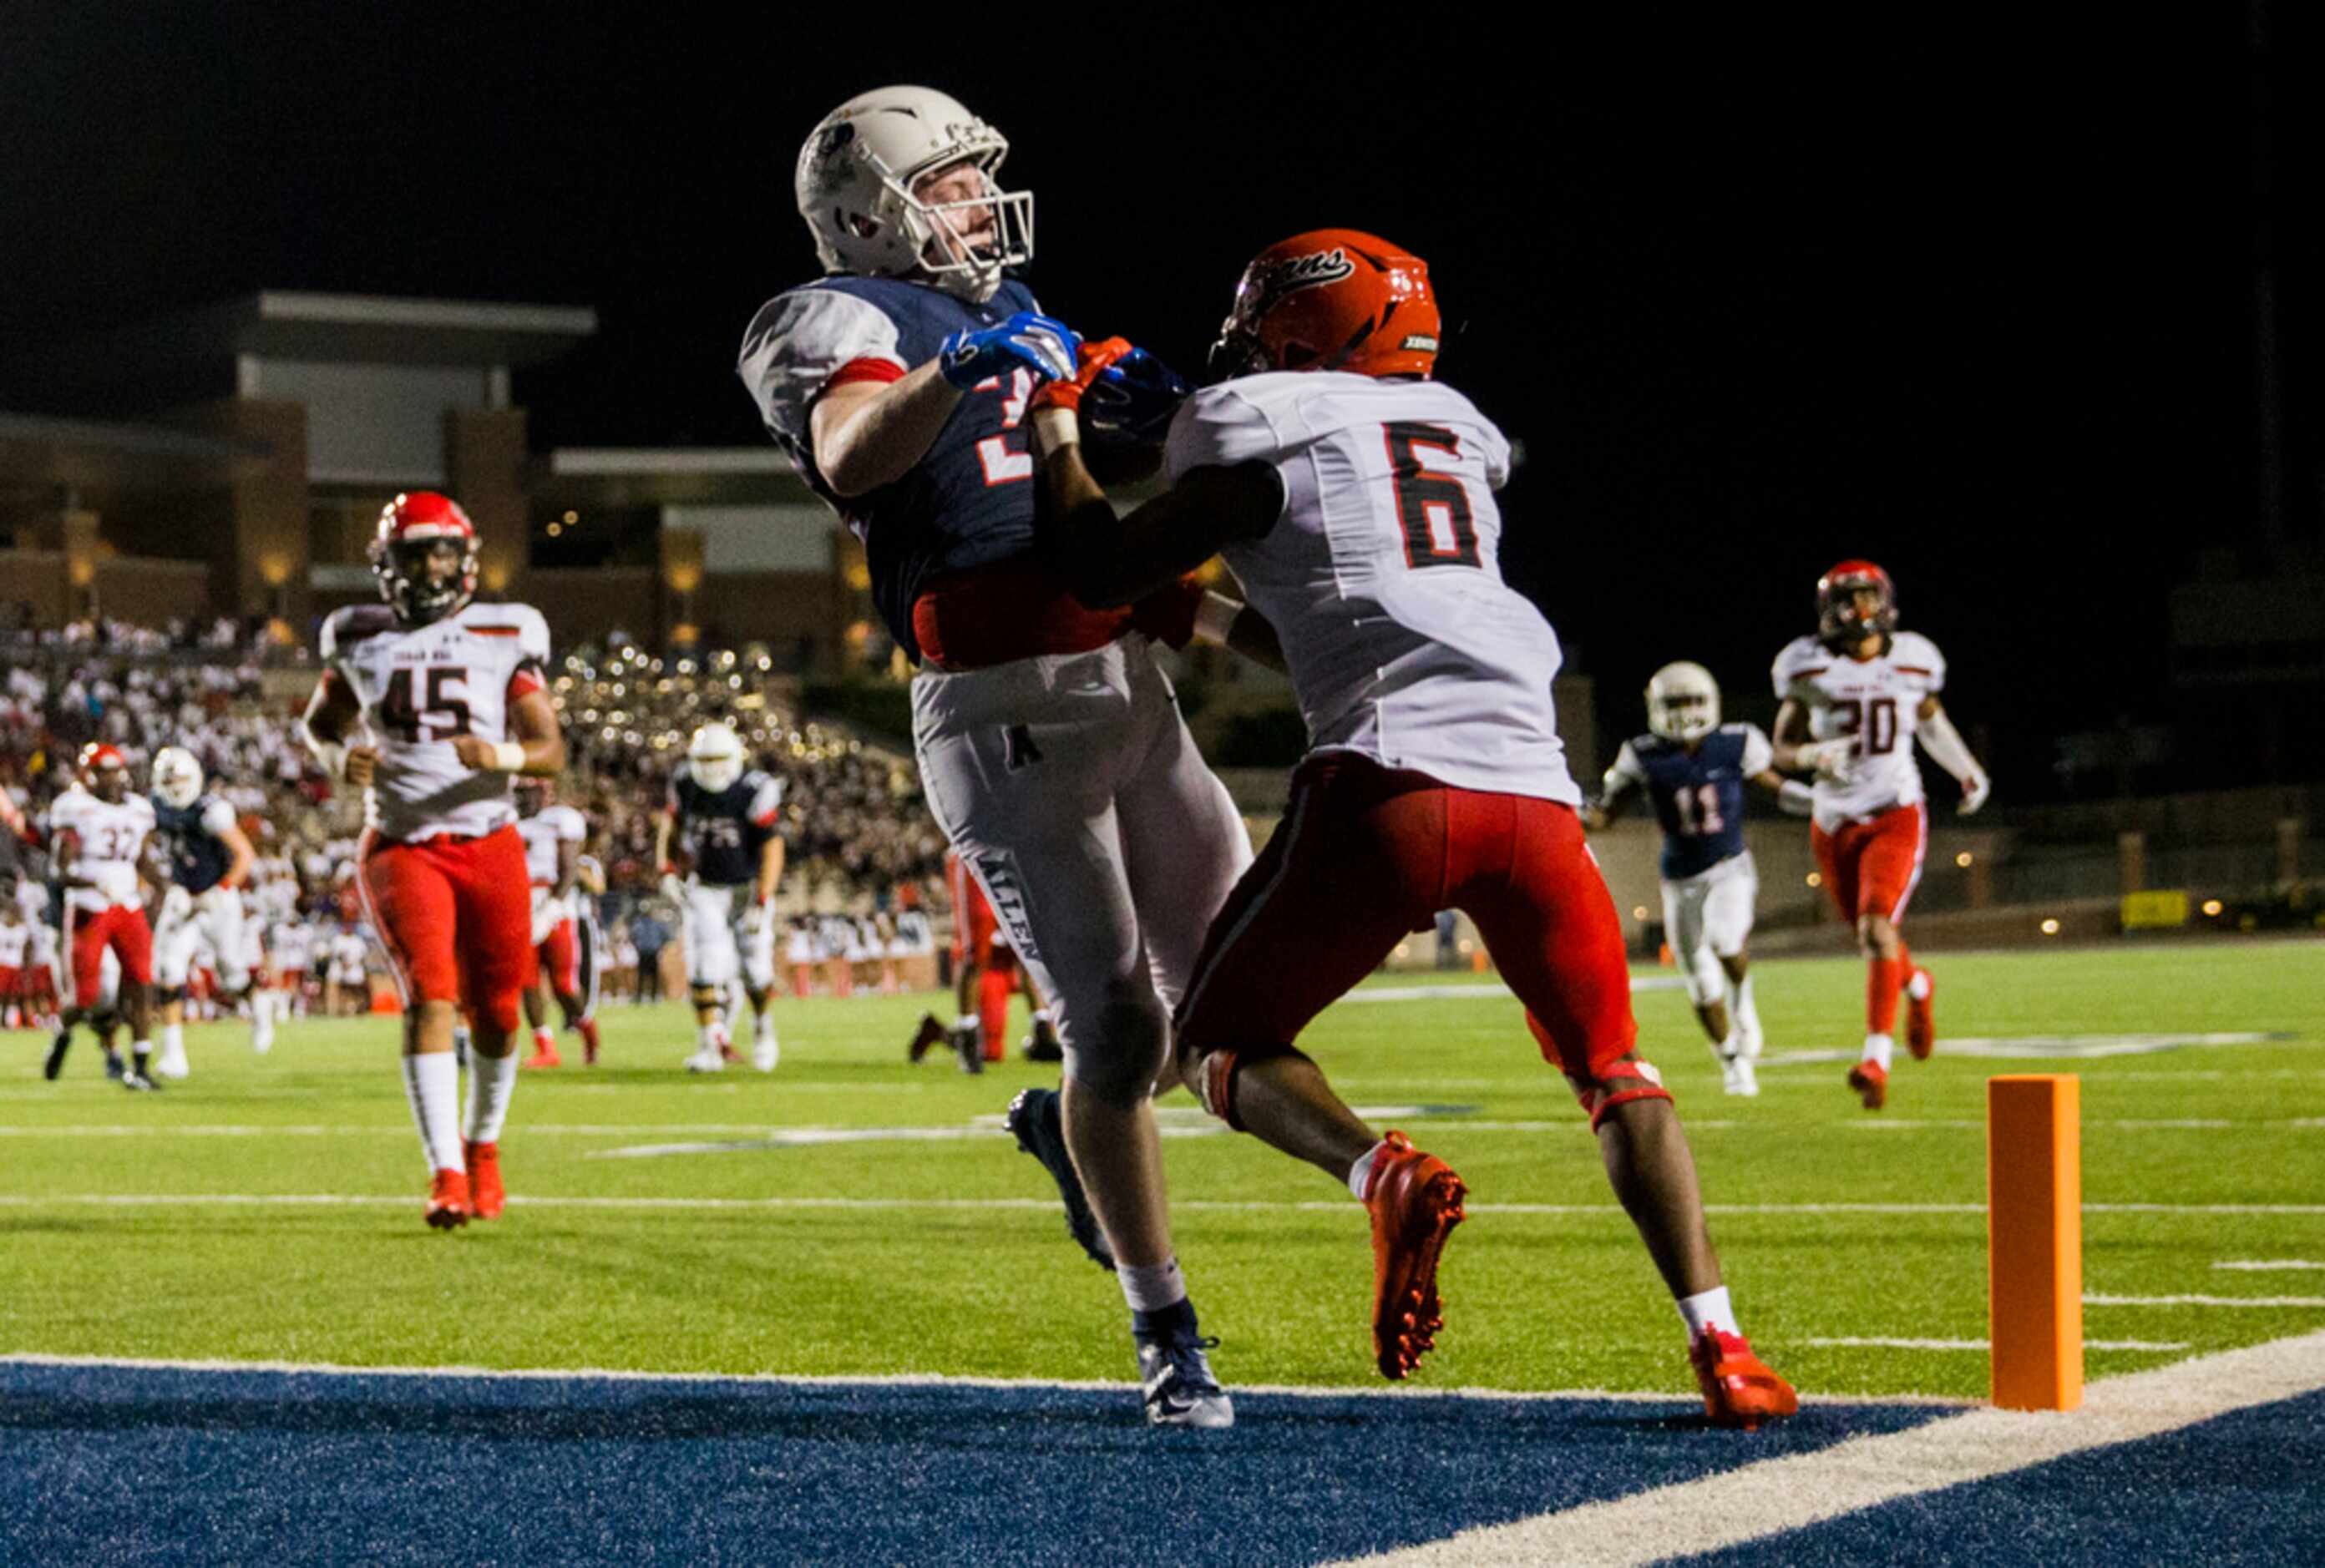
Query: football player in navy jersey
[
  {"x": 724, "y": 814},
  {"x": 209, "y": 857},
  {"x": 1048, "y": 740},
  {"x": 1693, "y": 770}
]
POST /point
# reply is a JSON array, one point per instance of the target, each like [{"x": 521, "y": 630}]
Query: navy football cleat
[
  {"x": 1174, "y": 1375},
  {"x": 1034, "y": 1117}
]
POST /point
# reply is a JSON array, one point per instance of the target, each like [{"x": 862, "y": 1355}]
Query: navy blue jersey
[
  {"x": 197, "y": 856},
  {"x": 969, "y": 500},
  {"x": 1698, "y": 795},
  {"x": 723, "y": 833}
]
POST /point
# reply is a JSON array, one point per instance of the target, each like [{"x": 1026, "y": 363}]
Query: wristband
[
  {"x": 1057, "y": 427},
  {"x": 508, "y": 757}
]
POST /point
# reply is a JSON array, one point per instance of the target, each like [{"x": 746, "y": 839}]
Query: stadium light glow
[
  {"x": 1638, "y": 911},
  {"x": 2050, "y": 927},
  {"x": 1962, "y": 859},
  {"x": 2212, "y": 906},
  {"x": 1816, "y": 879}
]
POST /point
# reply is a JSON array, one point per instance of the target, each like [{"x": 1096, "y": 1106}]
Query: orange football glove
[{"x": 1097, "y": 359}]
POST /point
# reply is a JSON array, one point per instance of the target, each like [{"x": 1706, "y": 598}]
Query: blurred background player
[
  {"x": 799, "y": 953},
  {"x": 347, "y": 983},
  {"x": 723, "y": 813},
  {"x": 15, "y": 959},
  {"x": 554, "y": 835},
  {"x": 1693, "y": 770},
  {"x": 1353, "y": 497},
  {"x": 209, "y": 859},
  {"x": 431, "y": 705},
  {"x": 1857, "y": 697},
  {"x": 1048, "y": 741},
  {"x": 984, "y": 973},
  {"x": 97, "y": 832},
  {"x": 266, "y": 1001},
  {"x": 292, "y": 945},
  {"x": 42, "y": 982}
]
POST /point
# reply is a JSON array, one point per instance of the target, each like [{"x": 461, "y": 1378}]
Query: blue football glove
[
  {"x": 1026, "y": 341},
  {"x": 1133, "y": 399}
]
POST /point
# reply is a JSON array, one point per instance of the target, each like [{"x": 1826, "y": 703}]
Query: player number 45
[{"x": 443, "y": 715}]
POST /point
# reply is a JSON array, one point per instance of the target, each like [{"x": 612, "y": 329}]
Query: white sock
[
  {"x": 1709, "y": 1309},
  {"x": 967, "y": 1020},
  {"x": 432, "y": 1084},
  {"x": 764, "y": 1027},
  {"x": 1877, "y": 1048},
  {"x": 173, "y": 1036},
  {"x": 1151, "y": 1286},
  {"x": 491, "y": 1081},
  {"x": 1746, "y": 1015},
  {"x": 544, "y": 1038},
  {"x": 1360, "y": 1174},
  {"x": 1041, "y": 1015},
  {"x": 710, "y": 1036},
  {"x": 1728, "y": 1049},
  {"x": 1918, "y": 988}
]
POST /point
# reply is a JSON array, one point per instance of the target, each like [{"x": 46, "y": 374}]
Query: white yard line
[
  {"x": 1854, "y": 1342},
  {"x": 1218, "y": 1206},
  {"x": 1755, "y": 1501},
  {"x": 927, "y": 1380},
  {"x": 2264, "y": 1265},
  {"x": 2093, "y": 1299}
]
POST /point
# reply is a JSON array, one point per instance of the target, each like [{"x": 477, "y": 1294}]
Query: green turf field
[{"x": 171, "y": 1225}]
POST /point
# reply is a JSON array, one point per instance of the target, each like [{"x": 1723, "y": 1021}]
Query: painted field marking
[
  {"x": 2093, "y": 1299},
  {"x": 1473, "y": 992},
  {"x": 1854, "y": 1342},
  {"x": 2258, "y": 1265},
  {"x": 1755, "y": 1501},
  {"x": 1688, "y": 1396},
  {"x": 1050, "y": 1204},
  {"x": 2048, "y": 1047}
]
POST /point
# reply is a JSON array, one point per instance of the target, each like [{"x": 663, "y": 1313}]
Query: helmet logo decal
[{"x": 1273, "y": 283}]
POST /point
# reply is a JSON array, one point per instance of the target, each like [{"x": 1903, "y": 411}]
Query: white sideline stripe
[
  {"x": 1472, "y": 993},
  {"x": 1209, "y": 1205},
  {"x": 1755, "y": 1501},
  {"x": 2044, "y": 1047},
  {"x": 2127, "y": 1123},
  {"x": 2269, "y": 1263},
  {"x": 2091, "y": 1299},
  {"x": 1852, "y": 1343},
  {"x": 923, "y": 1380}
]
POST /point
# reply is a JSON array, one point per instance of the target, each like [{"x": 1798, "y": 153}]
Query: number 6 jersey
[
  {"x": 421, "y": 685},
  {"x": 1382, "y": 577},
  {"x": 1877, "y": 703}
]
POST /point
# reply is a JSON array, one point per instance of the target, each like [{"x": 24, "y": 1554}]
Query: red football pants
[
  {"x": 1366, "y": 855},
  {"x": 561, "y": 958},
  {"x": 1871, "y": 868},
  {"x": 122, "y": 928},
  {"x": 456, "y": 916}
]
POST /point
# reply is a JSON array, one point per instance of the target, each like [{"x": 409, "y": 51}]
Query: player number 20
[{"x": 1873, "y": 725}]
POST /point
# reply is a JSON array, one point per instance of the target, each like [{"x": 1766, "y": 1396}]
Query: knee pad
[
  {"x": 1216, "y": 1074},
  {"x": 1120, "y": 1063},
  {"x": 1632, "y": 1080},
  {"x": 1707, "y": 983}
]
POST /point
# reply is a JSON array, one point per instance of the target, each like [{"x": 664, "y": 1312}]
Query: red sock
[
  {"x": 993, "y": 988},
  {"x": 588, "y": 1028},
  {"x": 1904, "y": 965},
  {"x": 1884, "y": 976}
]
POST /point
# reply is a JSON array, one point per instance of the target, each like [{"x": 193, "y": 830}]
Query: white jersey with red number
[
  {"x": 543, "y": 832},
  {"x": 1382, "y": 577},
  {"x": 293, "y": 942},
  {"x": 421, "y": 685},
  {"x": 107, "y": 841},
  {"x": 1876, "y": 703},
  {"x": 15, "y": 945}
]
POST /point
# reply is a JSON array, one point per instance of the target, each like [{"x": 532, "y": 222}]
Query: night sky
[{"x": 1977, "y": 302}]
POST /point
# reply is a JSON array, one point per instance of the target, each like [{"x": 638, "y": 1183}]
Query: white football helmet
[
  {"x": 177, "y": 777},
  {"x": 1683, "y": 702},
  {"x": 854, "y": 188},
  {"x": 714, "y": 757}
]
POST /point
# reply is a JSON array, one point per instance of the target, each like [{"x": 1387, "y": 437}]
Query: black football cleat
[
  {"x": 1034, "y": 1118},
  {"x": 929, "y": 1034},
  {"x": 56, "y": 1062}
]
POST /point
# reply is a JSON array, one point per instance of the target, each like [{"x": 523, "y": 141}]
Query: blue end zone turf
[
  {"x": 2247, "y": 1488},
  {"x": 113, "y": 1464}
]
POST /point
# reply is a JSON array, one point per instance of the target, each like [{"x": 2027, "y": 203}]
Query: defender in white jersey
[
  {"x": 97, "y": 836},
  {"x": 1353, "y": 497},
  {"x": 1855, "y": 698},
  {"x": 431, "y": 705},
  {"x": 553, "y": 835}
]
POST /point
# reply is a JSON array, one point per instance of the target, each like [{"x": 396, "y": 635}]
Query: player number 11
[{"x": 1698, "y": 810}]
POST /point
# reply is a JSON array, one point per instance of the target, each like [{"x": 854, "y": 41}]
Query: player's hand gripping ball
[
  {"x": 1026, "y": 341},
  {"x": 1131, "y": 402}
]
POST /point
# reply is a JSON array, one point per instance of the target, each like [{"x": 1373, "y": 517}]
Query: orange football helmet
[
  {"x": 1331, "y": 298},
  {"x": 1839, "y": 622}
]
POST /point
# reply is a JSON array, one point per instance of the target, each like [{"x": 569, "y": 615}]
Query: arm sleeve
[
  {"x": 765, "y": 801},
  {"x": 1624, "y": 769},
  {"x": 216, "y": 818},
  {"x": 801, "y": 342},
  {"x": 1759, "y": 754}
]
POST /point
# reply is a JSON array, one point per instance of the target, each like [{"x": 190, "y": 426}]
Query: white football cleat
[
  {"x": 1737, "y": 1076},
  {"x": 706, "y": 1060},
  {"x": 765, "y": 1053},
  {"x": 172, "y": 1062},
  {"x": 262, "y": 1032}
]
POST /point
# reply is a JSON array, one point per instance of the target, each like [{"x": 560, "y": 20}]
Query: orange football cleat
[
  {"x": 546, "y": 1056},
  {"x": 1870, "y": 1079},
  {"x": 1922, "y": 1019},
  {"x": 1415, "y": 1200},
  {"x": 486, "y": 1197},
  {"x": 448, "y": 1200},
  {"x": 1739, "y": 1388}
]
